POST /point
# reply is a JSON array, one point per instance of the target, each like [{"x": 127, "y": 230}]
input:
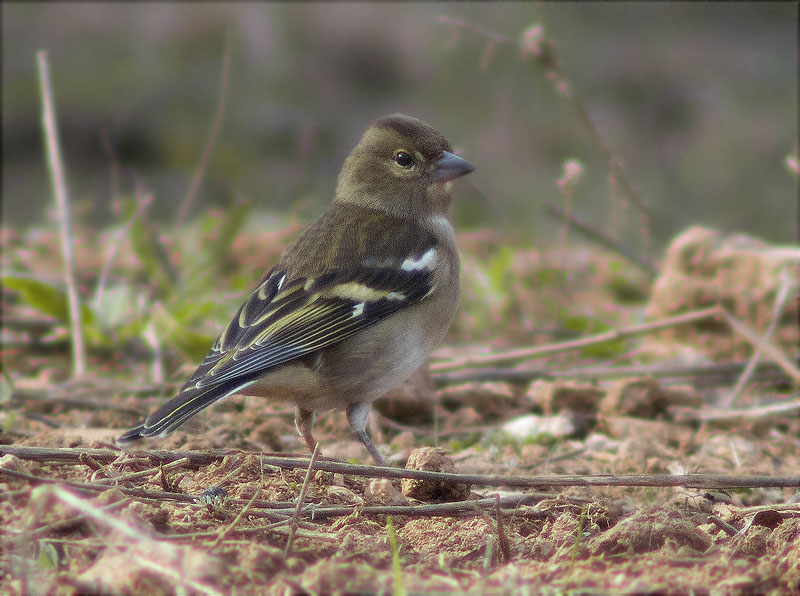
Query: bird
[{"x": 356, "y": 304}]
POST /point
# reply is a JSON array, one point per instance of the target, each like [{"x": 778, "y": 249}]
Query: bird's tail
[
  {"x": 133, "y": 434},
  {"x": 180, "y": 408}
]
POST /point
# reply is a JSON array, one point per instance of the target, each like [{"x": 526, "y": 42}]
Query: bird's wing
[{"x": 287, "y": 318}]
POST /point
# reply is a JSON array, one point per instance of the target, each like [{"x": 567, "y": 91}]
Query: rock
[{"x": 532, "y": 426}]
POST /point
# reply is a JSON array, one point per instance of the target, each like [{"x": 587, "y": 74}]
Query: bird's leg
[
  {"x": 357, "y": 415},
  {"x": 303, "y": 421}
]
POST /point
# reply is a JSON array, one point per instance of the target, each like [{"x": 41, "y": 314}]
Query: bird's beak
[{"x": 449, "y": 167}]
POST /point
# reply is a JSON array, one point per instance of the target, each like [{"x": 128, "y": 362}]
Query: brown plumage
[{"x": 356, "y": 304}]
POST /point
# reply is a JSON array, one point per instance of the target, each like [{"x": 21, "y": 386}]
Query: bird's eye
[{"x": 403, "y": 159}]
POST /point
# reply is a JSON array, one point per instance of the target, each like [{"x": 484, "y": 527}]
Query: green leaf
[
  {"x": 52, "y": 301},
  {"x": 48, "y": 555},
  {"x": 588, "y": 326},
  {"x": 499, "y": 269},
  {"x": 178, "y": 330},
  {"x": 6, "y": 387},
  {"x": 11, "y": 418},
  {"x": 41, "y": 296},
  {"x": 45, "y": 298},
  {"x": 201, "y": 265},
  {"x": 228, "y": 232},
  {"x": 149, "y": 249}
]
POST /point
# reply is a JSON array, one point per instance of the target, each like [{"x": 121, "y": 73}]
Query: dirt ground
[{"x": 209, "y": 509}]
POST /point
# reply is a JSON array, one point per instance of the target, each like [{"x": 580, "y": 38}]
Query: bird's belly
[
  {"x": 362, "y": 368},
  {"x": 368, "y": 366}
]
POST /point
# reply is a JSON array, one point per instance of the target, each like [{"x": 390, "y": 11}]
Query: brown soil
[{"x": 152, "y": 530}]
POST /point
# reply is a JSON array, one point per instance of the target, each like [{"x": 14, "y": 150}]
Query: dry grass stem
[
  {"x": 141, "y": 204},
  {"x": 567, "y": 346},
  {"x": 300, "y": 501},
  {"x": 59, "y": 182},
  {"x": 212, "y": 135},
  {"x": 775, "y": 410},
  {"x": 221, "y": 536},
  {"x": 707, "y": 374},
  {"x": 545, "y": 53},
  {"x": 761, "y": 345},
  {"x": 600, "y": 238},
  {"x": 777, "y": 309}
]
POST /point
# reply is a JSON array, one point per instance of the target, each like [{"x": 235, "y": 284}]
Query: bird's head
[{"x": 402, "y": 166}]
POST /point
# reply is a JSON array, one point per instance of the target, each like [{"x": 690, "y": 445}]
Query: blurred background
[{"x": 698, "y": 100}]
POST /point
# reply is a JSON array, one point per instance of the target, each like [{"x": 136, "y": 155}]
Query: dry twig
[
  {"x": 212, "y": 135},
  {"x": 300, "y": 501},
  {"x": 767, "y": 348},
  {"x": 777, "y": 309},
  {"x": 601, "y": 239},
  {"x": 236, "y": 520},
  {"x": 568, "y": 346},
  {"x": 781, "y": 409},
  {"x": 551, "y": 481}
]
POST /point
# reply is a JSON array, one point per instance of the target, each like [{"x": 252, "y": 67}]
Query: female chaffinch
[{"x": 356, "y": 304}]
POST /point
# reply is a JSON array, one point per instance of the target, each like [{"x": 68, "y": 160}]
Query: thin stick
[
  {"x": 766, "y": 347},
  {"x": 449, "y": 508},
  {"x": 775, "y": 410},
  {"x": 300, "y": 500},
  {"x": 140, "y": 205},
  {"x": 146, "y": 473},
  {"x": 600, "y": 238},
  {"x": 723, "y": 525},
  {"x": 551, "y": 481},
  {"x": 277, "y": 528},
  {"x": 58, "y": 179},
  {"x": 521, "y": 375},
  {"x": 777, "y": 309},
  {"x": 141, "y": 494},
  {"x": 558, "y": 79},
  {"x": 58, "y": 526},
  {"x": 236, "y": 520},
  {"x": 502, "y": 538},
  {"x": 567, "y": 346},
  {"x": 201, "y": 167}
]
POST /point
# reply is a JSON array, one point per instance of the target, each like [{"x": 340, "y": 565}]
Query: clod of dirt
[
  {"x": 267, "y": 433},
  {"x": 653, "y": 435},
  {"x": 152, "y": 567},
  {"x": 645, "y": 398},
  {"x": 768, "y": 518},
  {"x": 12, "y": 462},
  {"x": 153, "y": 515},
  {"x": 564, "y": 395},
  {"x": 703, "y": 268},
  {"x": 448, "y": 538},
  {"x": 381, "y": 491},
  {"x": 490, "y": 400},
  {"x": 432, "y": 459},
  {"x": 348, "y": 578},
  {"x": 647, "y": 531},
  {"x": 783, "y": 543}
]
